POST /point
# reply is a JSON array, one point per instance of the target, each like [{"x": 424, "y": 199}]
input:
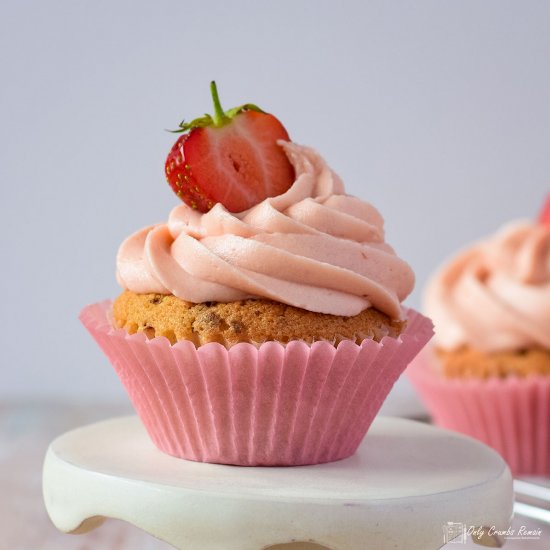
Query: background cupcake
[
  {"x": 488, "y": 373},
  {"x": 264, "y": 330}
]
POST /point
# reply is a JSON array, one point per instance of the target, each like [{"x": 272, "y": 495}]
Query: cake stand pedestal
[{"x": 409, "y": 486}]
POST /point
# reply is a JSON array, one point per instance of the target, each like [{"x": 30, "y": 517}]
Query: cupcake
[
  {"x": 487, "y": 374},
  {"x": 262, "y": 324}
]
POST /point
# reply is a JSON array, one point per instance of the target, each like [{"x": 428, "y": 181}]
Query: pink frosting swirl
[
  {"x": 495, "y": 296},
  {"x": 313, "y": 247}
]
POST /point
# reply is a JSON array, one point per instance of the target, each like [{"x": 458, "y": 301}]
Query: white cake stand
[{"x": 408, "y": 486}]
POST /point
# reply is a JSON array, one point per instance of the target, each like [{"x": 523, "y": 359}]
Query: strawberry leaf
[
  {"x": 246, "y": 107},
  {"x": 201, "y": 122},
  {"x": 220, "y": 118}
]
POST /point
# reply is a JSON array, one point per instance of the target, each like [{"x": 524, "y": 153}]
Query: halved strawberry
[
  {"x": 231, "y": 157},
  {"x": 544, "y": 216}
]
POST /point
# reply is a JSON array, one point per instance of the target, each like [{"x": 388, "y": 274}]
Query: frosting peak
[
  {"x": 312, "y": 247},
  {"x": 496, "y": 295}
]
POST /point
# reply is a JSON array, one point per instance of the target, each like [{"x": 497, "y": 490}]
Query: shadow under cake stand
[{"x": 409, "y": 485}]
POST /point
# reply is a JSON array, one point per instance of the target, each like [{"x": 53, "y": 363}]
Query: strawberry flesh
[
  {"x": 544, "y": 216},
  {"x": 238, "y": 164}
]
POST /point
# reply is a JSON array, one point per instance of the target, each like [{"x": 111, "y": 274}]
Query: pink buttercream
[
  {"x": 495, "y": 295},
  {"x": 312, "y": 247}
]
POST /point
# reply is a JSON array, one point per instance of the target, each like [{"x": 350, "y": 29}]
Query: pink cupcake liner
[
  {"x": 511, "y": 415},
  {"x": 266, "y": 404}
]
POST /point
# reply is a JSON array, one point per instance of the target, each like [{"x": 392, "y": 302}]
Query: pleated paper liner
[
  {"x": 269, "y": 404},
  {"x": 511, "y": 415}
]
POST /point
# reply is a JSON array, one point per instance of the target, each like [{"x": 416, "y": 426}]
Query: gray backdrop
[{"x": 437, "y": 112}]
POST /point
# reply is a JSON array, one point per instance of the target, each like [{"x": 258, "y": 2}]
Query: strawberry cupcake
[
  {"x": 488, "y": 372},
  {"x": 262, "y": 323}
]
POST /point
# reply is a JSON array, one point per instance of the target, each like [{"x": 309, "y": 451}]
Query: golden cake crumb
[
  {"x": 243, "y": 321},
  {"x": 468, "y": 362}
]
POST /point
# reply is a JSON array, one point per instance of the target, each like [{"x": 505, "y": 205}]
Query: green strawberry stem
[{"x": 219, "y": 117}]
